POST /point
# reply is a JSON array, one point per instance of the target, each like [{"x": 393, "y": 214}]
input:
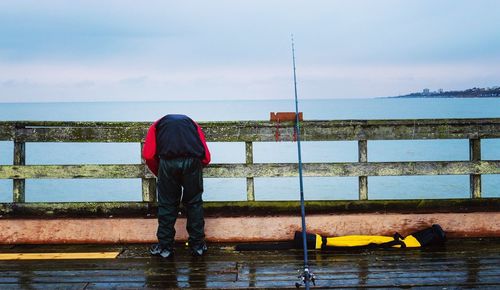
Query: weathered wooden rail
[
  {"x": 249, "y": 132},
  {"x": 258, "y": 131}
]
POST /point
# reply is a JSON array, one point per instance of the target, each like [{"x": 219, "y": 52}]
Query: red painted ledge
[{"x": 238, "y": 229}]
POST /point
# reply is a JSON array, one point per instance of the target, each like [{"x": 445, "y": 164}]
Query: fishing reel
[{"x": 305, "y": 278}]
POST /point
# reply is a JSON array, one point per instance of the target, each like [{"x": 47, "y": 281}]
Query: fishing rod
[{"x": 306, "y": 277}]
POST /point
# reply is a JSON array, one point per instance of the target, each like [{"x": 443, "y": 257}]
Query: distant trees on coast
[{"x": 493, "y": 92}]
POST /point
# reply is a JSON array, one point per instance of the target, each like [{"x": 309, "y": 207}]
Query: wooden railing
[{"x": 258, "y": 131}]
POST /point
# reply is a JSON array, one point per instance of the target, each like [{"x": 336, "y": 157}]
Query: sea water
[{"x": 315, "y": 188}]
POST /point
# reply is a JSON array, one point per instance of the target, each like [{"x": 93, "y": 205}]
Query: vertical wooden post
[
  {"x": 19, "y": 184},
  {"x": 250, "y": 181},
  {"x": 475, "y": 179},
  {"x": 363, "y": 158},
  {"x": 148, "y": 184}
]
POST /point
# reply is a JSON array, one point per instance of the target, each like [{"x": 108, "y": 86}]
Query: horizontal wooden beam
[
  {"x": 255, "y": 131},
  {"x": 72, "y": 171},
  {"x": 354, "y": 169},
  {"x": 77, "y": 209},
  {"x": 247, "y": 208},
  {"x": 7, "y": 131},
  {"x": 81, "y": 134},
  {"x": 260, "y": 170}
]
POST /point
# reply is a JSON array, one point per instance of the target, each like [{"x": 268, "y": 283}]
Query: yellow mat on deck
[{"x": 58, "y": 256}]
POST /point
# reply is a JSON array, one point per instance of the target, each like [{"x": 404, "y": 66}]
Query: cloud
[
  {"x": 59, "y": 50},
  {"x": 47, "y": 82}
]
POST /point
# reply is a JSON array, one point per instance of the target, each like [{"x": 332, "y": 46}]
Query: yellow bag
[{"x": 430, "y": 236}]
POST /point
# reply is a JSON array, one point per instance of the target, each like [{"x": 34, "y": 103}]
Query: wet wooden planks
[{"x": 462, "y": 263}]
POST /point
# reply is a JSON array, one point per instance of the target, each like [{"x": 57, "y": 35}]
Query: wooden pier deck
[{"x": 461, "y": 263}]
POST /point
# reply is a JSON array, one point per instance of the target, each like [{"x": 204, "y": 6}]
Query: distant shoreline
[{"x": 469, "y": 93}]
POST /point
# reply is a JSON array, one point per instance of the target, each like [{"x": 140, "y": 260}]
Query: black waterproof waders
[{"x": 179, "y": 180}]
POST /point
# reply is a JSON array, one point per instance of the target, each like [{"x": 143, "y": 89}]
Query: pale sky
[{"x": 230, "y": 50}]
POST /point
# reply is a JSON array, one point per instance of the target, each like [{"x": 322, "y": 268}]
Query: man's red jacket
[{"x": 150, "y": 151}]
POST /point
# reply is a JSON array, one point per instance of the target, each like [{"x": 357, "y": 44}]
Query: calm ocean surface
[{"x": 266, "y": 188}]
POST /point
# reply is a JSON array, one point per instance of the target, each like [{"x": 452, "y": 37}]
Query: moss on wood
[
  {"x": 242, "y": 131},
  {"x": 255, "y": 131},
  {"x": 248, "y": 208}
]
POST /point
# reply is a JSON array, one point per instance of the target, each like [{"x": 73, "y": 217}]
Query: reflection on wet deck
[{"x": 461, "y": 263}]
